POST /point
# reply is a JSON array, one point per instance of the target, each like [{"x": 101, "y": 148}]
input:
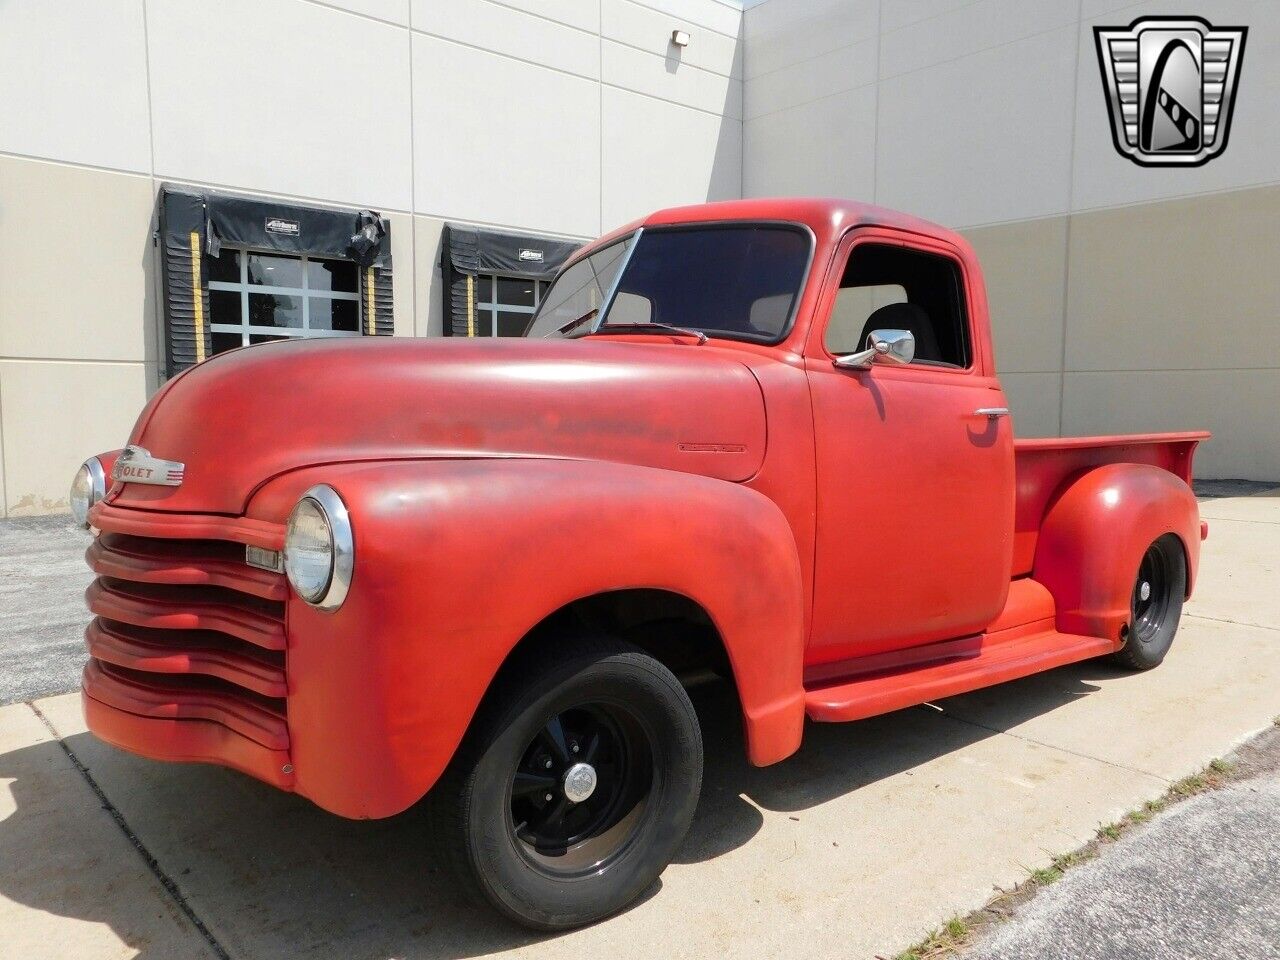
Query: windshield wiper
[
  {"x": 579, "y": 321},
  {"x": 652, "y": 327}
]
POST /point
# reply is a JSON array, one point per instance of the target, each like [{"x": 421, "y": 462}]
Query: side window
[{"x": 895, "y": 288}]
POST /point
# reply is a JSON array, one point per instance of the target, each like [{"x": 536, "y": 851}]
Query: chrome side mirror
[{"x": 883, "y": 346}]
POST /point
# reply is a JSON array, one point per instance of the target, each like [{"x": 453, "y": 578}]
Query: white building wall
[{"x": 561, "y": 117}]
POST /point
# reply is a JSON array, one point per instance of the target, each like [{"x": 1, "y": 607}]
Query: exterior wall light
[{"x": 680, "y": 38}]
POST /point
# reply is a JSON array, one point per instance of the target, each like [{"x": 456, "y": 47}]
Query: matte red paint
[{"x": 860, "y": 539}]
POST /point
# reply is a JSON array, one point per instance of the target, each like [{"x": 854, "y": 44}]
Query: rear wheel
[
  {"x": 1155, "y": 605},
  {"x": 575, "y": 787}
]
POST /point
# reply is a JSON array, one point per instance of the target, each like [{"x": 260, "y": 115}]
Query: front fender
[
  {"x": 1094, "y": 534},
  {"x": 456, "y": 561}
]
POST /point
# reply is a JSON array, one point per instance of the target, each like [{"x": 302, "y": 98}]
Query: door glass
[
  {"x": 514, "y": 292},
  {"x": 273, "y": 310},
  {"x": 328, "y": 314},
  {"x": 511, "y": 323},
  {"x": 338, "y": 276},
  {"x": 850, "y": 312},
  {"x": 275, "y": 271},
  {"x": 225, "y": 267},
  {"x": 896, "y": 288}
]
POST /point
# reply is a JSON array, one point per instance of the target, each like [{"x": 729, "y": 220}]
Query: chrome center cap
[
  {"x": 1144, "y": 591},
  {"x": 580, "y": 782}
]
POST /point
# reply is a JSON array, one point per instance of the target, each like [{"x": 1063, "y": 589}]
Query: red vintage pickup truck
[{"x": 760, "y": 438}]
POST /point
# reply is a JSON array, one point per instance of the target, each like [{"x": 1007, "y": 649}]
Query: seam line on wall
[
  {"x": 433, "y": 214},
  {"x": 498, "y": 3},
  {"x": 740, "y": 53},
  {"x": 1131, "y": 370},
  {"x": 600, "y": 121},
  {"x": 928, "y": 66},
  {"x": 693, "y": 23},
  {"x": 879, "y": 35},
  {"x": 1153, "y": 201},
  {"x": 397, "y": 275},
  {"x": 875, "y": 127},
  {"x": 358, "y": 14},
  {"x": 116, "y": 363},
  {"x": 674, "y": 103},
  {"x": 683, "y": 63},
  {"x": 806, "y": 103},
  {"x": 1066, "y": 253},
  {"x": 543, "y": 17},
  {"x": 585, "y": 78},
  {"x": 589, "y": 79}
]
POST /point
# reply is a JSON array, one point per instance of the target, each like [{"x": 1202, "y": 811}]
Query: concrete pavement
[
  {"x": 872, "y": 834},
  {"x": 42, "y": 582},
  {"x": 1200, "y": 882}
]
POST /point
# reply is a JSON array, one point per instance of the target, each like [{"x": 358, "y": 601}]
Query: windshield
[{"x": 737, "y": 281}]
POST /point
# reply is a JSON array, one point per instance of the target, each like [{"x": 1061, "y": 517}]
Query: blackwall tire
[
  {"x": 574, "y": 788},
  {"x": 1155, "y": 604}
]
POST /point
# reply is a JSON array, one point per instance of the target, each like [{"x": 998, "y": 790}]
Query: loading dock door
[
  {"x": 494, "y": 281},
  {"x": 242, "y": 270}
]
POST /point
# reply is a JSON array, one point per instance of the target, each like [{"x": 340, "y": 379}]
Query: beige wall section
[
  {"x": 428, "y": 318},
  {"x": 1172, "y": 322},
  {"x": 77, "y": 330},
  {"x": 75, "y": 263},
  {"x": 1034, "y": 402},
  {"x": 54, "y": 415},
  {"x": 1183, "y": 284},
  {"x": 1024, "y": 265},
  {"x": 1239, "y": 406}
]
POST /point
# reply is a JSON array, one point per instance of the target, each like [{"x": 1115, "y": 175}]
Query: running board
[{"x": 992, "y": 662}]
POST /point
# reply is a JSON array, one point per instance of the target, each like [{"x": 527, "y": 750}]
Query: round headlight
[
  {"x": 318, "y": 548},
  {"x": 88, "y": 487}
]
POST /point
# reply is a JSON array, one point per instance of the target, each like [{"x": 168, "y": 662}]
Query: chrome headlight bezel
[
  {"x": 95, "y": 480},
  {"x": 329, "y": 594}
]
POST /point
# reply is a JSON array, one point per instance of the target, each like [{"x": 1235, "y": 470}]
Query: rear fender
[
  {"x": 456, "y": 561},
  {"x": 1094, "y": 534}
]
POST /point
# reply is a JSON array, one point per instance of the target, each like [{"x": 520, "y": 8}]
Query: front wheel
[
  {"x": 1155, "y": 605},
  {"x": 575, "y": 788}
]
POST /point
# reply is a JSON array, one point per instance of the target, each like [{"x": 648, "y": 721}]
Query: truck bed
[{"x": 1043, "y": 465}]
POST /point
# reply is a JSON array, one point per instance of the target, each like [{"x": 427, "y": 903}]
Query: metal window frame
[
  {"x": 244, "y": 288},
  {"x": 493, "y": 305}
]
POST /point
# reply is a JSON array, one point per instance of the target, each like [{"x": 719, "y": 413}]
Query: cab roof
[{"x": 826, "y": 217}]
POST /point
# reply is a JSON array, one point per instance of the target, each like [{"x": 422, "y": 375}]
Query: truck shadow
[{"x": 272, "y": 875}]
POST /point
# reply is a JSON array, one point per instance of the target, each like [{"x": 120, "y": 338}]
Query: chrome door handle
[{"x": 991, "y": 412}]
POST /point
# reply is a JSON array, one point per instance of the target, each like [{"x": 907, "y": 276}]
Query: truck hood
[{"x": 240, "y": 419}]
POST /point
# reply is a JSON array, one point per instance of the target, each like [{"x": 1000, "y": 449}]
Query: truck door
[{"x": 915, "y": 468}]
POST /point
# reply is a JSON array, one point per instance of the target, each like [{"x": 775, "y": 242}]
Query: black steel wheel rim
[
  {"x": 565, "y": 837},
  {"x": 1151, "y": 594}
]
